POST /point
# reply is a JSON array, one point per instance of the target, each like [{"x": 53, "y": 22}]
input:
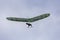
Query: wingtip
[
  {"x": 48, "y": 14},
  {"x": 8, "y": 18}
]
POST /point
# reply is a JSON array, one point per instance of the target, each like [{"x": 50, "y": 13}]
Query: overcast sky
[{"x": 46, "y": 29}]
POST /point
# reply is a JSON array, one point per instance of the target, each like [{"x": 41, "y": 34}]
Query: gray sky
[{"x": 46, "y": 29}]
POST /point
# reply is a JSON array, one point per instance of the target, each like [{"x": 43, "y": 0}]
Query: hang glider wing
[{"x": 29, "y": 19}]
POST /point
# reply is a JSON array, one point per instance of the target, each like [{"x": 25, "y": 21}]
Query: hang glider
[{"x": 33, "y": 19}]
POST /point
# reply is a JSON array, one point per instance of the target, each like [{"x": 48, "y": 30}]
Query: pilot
[{"x": 29, "y": 24}]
